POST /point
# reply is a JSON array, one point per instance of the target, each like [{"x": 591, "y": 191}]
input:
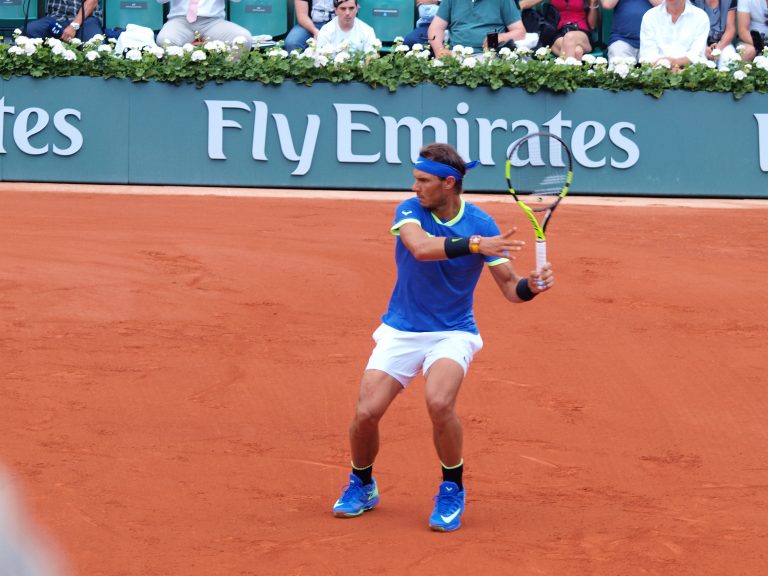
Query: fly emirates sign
[{"x": 353, "y": 120}]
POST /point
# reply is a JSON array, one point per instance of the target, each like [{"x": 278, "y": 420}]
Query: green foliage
[{"x": 217, "y": 62}]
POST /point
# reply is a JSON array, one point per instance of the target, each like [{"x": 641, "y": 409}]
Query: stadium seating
[
  {"x": 13, "y": 13},
  {"x": 389, "y": 18},
  {"x": 120, "y": 13},
  {"x": 261, "y": 17}
]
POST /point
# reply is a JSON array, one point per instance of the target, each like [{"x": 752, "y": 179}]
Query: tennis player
[{"x": 442, "y": 246}]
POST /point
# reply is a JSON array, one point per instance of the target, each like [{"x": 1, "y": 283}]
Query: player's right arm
[{"x": 425, "y": 247}]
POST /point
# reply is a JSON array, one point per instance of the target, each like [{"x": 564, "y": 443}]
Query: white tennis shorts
[{"x": 401, "y": 354}]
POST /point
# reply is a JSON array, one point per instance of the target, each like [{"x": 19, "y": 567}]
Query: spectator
[
  {"x": 624, "y": 39},
  {"x": 576, "y": 23},
  {"x": 470, "y": 22},
  {"x": 722, "y": 30},
  {"x": 311, "y": 15},
  {"x": 66, "y": 19},
  {"x": 420, "y": 35},
  {"x": 347, "y": 28},
  {"x": 675, "y": 31},
  {"x": 206, "y": 20},
  {"x": 753, "y": 27}
]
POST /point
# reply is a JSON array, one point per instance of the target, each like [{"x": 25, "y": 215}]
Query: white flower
[
  {"x": 664, "y": 63},
  {"x": 216, "y": 46},
  {"x": 621, "y": 70},
  {"x": 174, "y": 51},
  {"x": 92, "y": 55},
  {"x": 761, "y": 62},
  {"x": 341, "y": 57},
  {"x": 402, "y": 48},
  {"x": 96, "y": 40},
  {"x": 321, "y": 60},
  {"x": 469, "y": 62},
  {"x": 540, "y": 52},
  {"x": 437, "y": 63},
  {"x": 277, "y": 53},
  {"x": 75, "y": 41},
  {"x": 739, "y": 75},
  {"x": 16, "y": 50},
  {"x": 424, "y": 54},
  {"x": 468, "y": 50},
  {"x": 716, "y": 52},
  {"x": 601, "y": 61},
  {"x": 458, "y": 49},
  {"x": 417, "y": 47},
  {"x": 710, "y": 64},
  {"x": 133, "y": 54},
  {"x": 505, "y": 52},
  {"x": 57, "y": 49},
  {"x": 588, "y": 59},
  {"x": 398, "y": 40},
  {"x": 188, "y": 47},
  {"x": 104, "y": 48},
  {"x": 238, "y": 41},
  {"x": 69, "y": 55},
  {"x": 571, "y": 61},
  {"x": 198, "y": 56},
  {"x": 376, "y": 44},
  {"x": 17, "y": 32},
  {"x": 156, "y": 51}
]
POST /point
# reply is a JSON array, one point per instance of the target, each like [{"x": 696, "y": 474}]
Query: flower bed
[{"x": 217, "y": 62}]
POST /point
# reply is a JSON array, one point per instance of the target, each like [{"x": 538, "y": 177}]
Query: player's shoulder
[
  {"x": 474, "y": 211},
  {"x": 408, "y": 208}
]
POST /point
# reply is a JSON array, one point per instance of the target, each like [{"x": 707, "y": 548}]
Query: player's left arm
[
  {"x": 521, "y": 288},
  {"x": 426, "y": 247}
]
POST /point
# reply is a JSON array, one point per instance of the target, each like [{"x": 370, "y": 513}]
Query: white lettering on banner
[
  {"x": 762, "y": 140},
  {"x": 416, "y": 129},
  {"x": 32, "y": 121},
  {"x": 344, "y": 129},
  {"x": 22, "y": 131},
  {"x": 625, "y": 144},
  {"x": 353, "y": 119},
  {"x": 217, "y": 123}
]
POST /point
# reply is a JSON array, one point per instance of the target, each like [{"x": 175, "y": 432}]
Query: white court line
[{"x": 365, "y": 195}]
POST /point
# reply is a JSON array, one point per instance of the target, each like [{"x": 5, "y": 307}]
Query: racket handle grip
[{"x": 541, "y": 257}]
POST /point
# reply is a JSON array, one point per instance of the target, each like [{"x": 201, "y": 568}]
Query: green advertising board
[{"x": 351, "y": 136}]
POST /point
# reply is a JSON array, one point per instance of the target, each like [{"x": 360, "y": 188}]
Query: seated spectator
[
  {"x": 66, "y": 19},
  {"x": 420, "y": 35},
  {"x": 311, "y": 15},
  {"x": 347, "y": 28},
  {"x": 753, "y": 27},
  {"x": 624, "y": 39},
  {"x": 205, "y": 20},
  {"x": 576, "y": 23},
  {"x": 470, "y": 22},
  {"x": 722, "y": 30},
  {"x": 676, "y": 32}
]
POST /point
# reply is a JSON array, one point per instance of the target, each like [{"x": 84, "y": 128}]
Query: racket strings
[{"x": 539, "y": 167}]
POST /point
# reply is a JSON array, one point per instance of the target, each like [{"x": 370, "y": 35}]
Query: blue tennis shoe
[
  {"x": 356, "y": 499},
  {"x": 449, "y": 506}
]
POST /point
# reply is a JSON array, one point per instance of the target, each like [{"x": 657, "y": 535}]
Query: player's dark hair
[{"x": 445, "y": 154}]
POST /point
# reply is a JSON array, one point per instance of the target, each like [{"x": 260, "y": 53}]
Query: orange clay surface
[{"x": 178, "y": 374}]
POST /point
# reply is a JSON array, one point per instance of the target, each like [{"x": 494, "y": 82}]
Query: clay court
[{"x": 179, "y": 371}]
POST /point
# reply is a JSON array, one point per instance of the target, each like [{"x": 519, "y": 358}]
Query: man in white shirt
[
  {"x": 675, "y": 31},
  {"x": 206, "y": 18},
  {"x": 347, "y": 28}
]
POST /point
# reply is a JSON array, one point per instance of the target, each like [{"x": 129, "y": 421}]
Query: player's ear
[{"x": 449, "y": 182}]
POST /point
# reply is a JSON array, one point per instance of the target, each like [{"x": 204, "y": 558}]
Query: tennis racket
[{"x": 540, "y": 167}]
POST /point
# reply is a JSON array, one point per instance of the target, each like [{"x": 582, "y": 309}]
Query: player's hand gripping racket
[{"x": 539, "y": 167}]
